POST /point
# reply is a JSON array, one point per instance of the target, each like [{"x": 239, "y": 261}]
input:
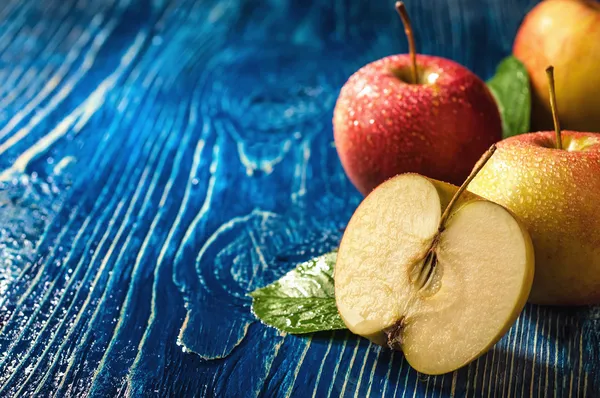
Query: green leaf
[
  {"x": 510, "y": 87},
  {"x": 303, "y": 300}
]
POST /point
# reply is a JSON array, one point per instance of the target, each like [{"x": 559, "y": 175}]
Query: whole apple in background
[
  {"x": 436, "y": 272},
  {"x": 555, "y": 192},
  {"x": 566, "y": 34},
  {"x": 413, "y": 113}
]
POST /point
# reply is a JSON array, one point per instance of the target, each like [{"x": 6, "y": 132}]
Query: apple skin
[
  {"x": 556, "y": 194},
  {"x": 384, "y": 126},
  {"x": 565, "y": 34}
]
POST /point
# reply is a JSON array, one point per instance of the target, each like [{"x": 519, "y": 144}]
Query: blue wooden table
[{"x": 160, "y": 159}]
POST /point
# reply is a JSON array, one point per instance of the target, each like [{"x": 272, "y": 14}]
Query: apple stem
[
  {"x": 401, "y": 8},
  {"x": 550, "y": 75},
  {"x": 478, "y": 166}
]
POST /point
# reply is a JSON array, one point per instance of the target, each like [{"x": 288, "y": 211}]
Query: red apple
[
  {"x": 566, "y": 34},
  {"x": 413, "y": 113},
  {"x": 385, "y": 125}
]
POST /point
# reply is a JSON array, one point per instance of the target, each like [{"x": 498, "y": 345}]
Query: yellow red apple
[
  {"x": 555, "y": 193},
  {"x": 566, "y": 34},
  {"x": 550, "y": 180}
]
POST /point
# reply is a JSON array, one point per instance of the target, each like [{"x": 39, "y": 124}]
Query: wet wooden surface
[{"x": 160, "y": 159}]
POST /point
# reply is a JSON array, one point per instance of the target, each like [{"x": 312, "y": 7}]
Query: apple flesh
[
  {"x": 384, "y": 125},
  {"x": 566, "y": 34},
  {"x": 555, "y": 193},
  {"x": 443, "y": 298}
]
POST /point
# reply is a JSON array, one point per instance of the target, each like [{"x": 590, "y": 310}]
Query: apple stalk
[
  {"x": 553, "y": 106},
  {"x": 401, "y": 9},
  {"x": 478, "y": 166}
]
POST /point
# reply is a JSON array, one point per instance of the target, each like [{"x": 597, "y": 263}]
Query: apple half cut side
[{"x": 443, "y": 293}]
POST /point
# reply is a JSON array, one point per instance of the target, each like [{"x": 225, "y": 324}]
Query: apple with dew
[
  {"x": 550, "y": 180},
  {"x": 566, "y": 34},
  {"x": 432, "y": 270},
  {"x": 413, "y": 113}
]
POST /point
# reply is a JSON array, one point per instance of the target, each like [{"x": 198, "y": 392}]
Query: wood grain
[{"x": 160, "y": 159}]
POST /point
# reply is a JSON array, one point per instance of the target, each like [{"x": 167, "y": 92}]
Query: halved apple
[{"x": 443, "y": 288}]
